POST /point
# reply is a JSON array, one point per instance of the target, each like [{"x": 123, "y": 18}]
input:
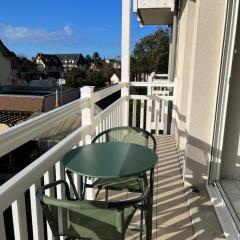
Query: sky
[{"x": 71, "y": 26}]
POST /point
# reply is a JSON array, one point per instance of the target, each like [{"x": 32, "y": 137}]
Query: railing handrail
[
  {"x": 154, "y": 97},
  {"x": 108, "y": 91},
  {"x": 156, "y": 83},
  {"x": 19, "y": 183},
  {"x": 32, "y": 128}
]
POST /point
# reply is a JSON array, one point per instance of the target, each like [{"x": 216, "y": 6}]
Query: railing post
[
  {"x": 149, "y": 104},
  {"x": 88, "y": 112},
  {"x": 88, "y": 119},
  {"x": 125, "y": 56}
]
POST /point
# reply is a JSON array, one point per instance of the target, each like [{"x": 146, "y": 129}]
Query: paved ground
[{"x": 177, "y": 213}]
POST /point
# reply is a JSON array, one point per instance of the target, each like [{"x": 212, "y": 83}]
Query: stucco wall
[
  {"x": 184, "y": 64},
  {"x": 198, "y": 75},
  {"x": 5, "y": 70}
]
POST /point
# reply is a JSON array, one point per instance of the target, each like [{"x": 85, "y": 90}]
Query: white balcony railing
[{"x": 146, "y": 111}]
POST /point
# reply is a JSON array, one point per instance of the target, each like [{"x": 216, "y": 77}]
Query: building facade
[
  {"x": 204, "y": 60},
  {"x": 6, "y": 76},
  {"x": 70, "y": 61}
]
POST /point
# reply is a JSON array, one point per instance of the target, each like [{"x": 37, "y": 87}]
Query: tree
[
  {"x": 88, "y": 59},
  {"x": 97, "y": 59},
  {"x": 75, "y": 77},
  {"x": 150, "y": 54}
]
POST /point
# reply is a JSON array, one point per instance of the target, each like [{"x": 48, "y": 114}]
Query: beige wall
[
  {"x": 5, "y": 70},
  {"x": 199, "y": 57},
  {"x": 184, "y": 64}
]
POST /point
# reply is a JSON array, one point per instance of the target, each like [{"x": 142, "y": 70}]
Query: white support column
[
  {"x": 36, "y": 210},
  {"x": 2, "y": 227},
  {"x": 88, "y": 112},
  {"x": 88, "y": 119},
  {"x": 149, "y": 105},
  {"x": 125, "y": 56},
  {"x": 19, "y": 218}
]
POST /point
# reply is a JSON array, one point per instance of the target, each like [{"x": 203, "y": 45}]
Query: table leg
[
  {"x": 150, "y": 207},
  {"x": 72, "y": 184}
]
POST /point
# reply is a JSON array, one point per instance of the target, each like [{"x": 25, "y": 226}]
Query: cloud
[
  {"x": 36, "y": 35},
  {"x": 68, "y": 30}
]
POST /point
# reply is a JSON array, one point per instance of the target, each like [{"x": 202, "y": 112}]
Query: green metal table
[
  {"x": 113, "y": 160},
  {"x": 110, "y": 160}
]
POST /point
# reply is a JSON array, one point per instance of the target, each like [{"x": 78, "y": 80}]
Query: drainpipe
[{"x": 174, "y": 42}]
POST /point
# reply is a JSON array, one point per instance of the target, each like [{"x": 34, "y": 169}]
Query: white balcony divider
[
  {"x": 151, "y": 111},
  {"x": 49, "y": 167}
]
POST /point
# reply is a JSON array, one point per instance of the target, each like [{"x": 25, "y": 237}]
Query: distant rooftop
[{"x": 13, "y": 118}]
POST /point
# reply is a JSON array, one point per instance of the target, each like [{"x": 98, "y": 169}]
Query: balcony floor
[{"x": 176, "y": 213}]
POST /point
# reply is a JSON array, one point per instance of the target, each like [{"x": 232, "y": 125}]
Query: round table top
[{"x": 110, "y": 160}]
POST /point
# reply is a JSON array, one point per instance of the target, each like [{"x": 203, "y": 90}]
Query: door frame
[{"x": 223, "y": 90}]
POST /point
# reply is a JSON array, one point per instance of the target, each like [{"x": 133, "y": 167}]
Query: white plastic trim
[{"x": 229, "y": 228}]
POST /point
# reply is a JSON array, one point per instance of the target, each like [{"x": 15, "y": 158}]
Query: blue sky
[{"x": 72, "y": 26}]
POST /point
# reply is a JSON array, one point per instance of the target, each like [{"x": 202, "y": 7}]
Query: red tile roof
[{"x": 21, "y": 103}]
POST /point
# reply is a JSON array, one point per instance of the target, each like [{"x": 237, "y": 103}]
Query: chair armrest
[
  {"x": 40, "y": 191},
  {"x": 130, "y": 202},
  {"x": 85, "y": 204}
]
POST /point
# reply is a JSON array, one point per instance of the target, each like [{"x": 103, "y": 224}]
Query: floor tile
[
  {"x": 174, "y": 233},
  {"x": 168, "y": 215},
  {"x": 178, "y": 214}
]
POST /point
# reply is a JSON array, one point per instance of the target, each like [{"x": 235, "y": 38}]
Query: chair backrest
[
  {"x": 83, "y": 214},
  {"x": 126, "y": 134}
]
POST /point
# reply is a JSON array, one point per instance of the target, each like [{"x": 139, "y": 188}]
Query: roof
[
  {"x": 12, "y": 118},
  {"x": 5, "y": 51},
  {"x": 74, "y": 58},
  {"x": 21, "y": 103},
  {"x": 49, "y": 59}
]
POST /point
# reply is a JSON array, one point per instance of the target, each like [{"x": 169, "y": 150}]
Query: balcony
[
  {"x": 155, "y": 12},
  {"x": 151, "y": 111}
]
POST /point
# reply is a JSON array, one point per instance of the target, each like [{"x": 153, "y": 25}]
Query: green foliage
[
  {"x": 96, "y": 79},
  {"x": 79, "y": 78},
  {"x": 75, "y": 77},
  {"x": 151, "y": 53},
  {"x": 97, "y": 60},
  {"x": 89, "y": 59}
]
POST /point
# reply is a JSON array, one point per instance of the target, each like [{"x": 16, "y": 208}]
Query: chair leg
[
  {"x": 84, "y": 188},
  {"x": 141, "y": 225},
  {"x": 98, "y": 191},
  {"x": 148, "y": 218},
  {"x": 72, "y": 184},
  {"x": 106, "y": 195}
]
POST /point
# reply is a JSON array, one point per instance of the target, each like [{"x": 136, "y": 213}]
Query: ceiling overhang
[{"x": 154, "y": 12}]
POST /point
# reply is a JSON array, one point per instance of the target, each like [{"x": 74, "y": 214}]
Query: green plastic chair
[
  {"x": 128, "y": 135},
  {"x": 90, "y": 219}
]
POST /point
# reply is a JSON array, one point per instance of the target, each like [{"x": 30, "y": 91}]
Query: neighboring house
[
  {"x": 48, "y": 63},
  {"x": 115, "y": 79},
  {"x": 6, "y": 64},
  {"x": 70, "y": 61},
  {"x": 115, "y": 64},
  {"x": 93, "y": 68}
]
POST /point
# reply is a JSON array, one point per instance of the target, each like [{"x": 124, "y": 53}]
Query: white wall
[
  {"x": 184, "y": 64},
  {"x": 198, "y": 70}
]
